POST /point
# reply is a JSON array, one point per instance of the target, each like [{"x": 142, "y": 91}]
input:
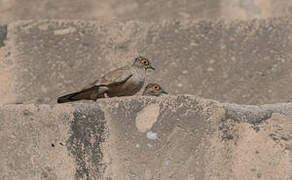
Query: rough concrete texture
[
  {"x": 245, "y": 62},
  {"x": 181, "y": 137},
  {"x": 150, "y": 10}
]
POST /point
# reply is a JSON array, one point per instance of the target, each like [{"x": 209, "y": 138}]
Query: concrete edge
[
  {"x": 255, "y": 114},
  {"x": 252, "y": 114},
  {"x": 167, "y": 21}
]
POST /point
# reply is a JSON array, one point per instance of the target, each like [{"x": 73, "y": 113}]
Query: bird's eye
[
  {"x": 144, "y": 62},
  {"x": 156, "y": 87}
]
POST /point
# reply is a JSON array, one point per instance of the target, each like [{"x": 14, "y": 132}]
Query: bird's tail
[
  {"x": 86, "y": 94},
  {"x": 68, "y": 98}
]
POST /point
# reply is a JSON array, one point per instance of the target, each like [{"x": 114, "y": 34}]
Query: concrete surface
[
  {"x": 171, "y": 137},
  {"x": 142, "y": 10},
  {"x": 144, "y": 138},
  {"x": 245, "y": 62}
]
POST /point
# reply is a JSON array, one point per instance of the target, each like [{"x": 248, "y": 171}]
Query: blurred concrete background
[
  {"x": 246, "y": 62},
  {"x": 144, "y": 10}
]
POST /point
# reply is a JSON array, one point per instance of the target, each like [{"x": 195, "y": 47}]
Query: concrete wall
[
  {"x": 246, "y": 62},
  {"x": 172, "y": 137},
  {"x": 150, "y": 10}
]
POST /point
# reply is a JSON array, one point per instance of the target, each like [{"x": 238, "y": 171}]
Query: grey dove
[
  {"x": 124, "y": 81},
  {"x": 153, "y": 89}
]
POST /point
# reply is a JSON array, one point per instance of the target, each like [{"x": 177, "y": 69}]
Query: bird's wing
[
  {"x": 90, "y": 94},
  {"x": 113, "y": 78}
]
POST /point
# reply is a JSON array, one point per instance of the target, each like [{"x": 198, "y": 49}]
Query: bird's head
[
  {"x": 153, "y": 89},
  {"x": 143, "y": 62}
]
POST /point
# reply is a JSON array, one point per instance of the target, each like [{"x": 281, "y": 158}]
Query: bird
[
  {"x": 124, "y": 81},
  {"x": 153, "y": 89}
]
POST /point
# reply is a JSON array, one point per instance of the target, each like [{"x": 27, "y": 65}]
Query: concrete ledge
[{"x": 172, "y": 137}]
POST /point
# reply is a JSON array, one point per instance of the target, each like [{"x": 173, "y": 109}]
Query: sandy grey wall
[
  {"x": 246, "y": 62},
  {"x": 150, "y": 10}
]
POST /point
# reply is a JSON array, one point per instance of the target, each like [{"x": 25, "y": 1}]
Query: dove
[
  {"x": 153, "y": 89},
  {"x": 124, "y": 81}
]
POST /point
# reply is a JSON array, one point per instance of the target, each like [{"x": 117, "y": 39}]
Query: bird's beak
[
  {"x": 150, "y": 67},
  {"x": 164, "y": 92}
]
